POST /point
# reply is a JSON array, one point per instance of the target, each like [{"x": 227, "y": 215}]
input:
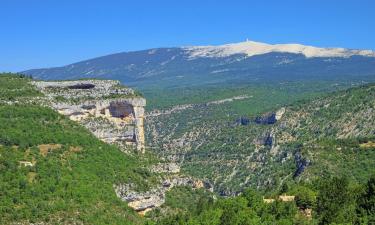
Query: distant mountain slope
[{"x": 243, "y": 62}]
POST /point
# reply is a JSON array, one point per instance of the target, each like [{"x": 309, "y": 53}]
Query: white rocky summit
[{"x": 252, "y": 48}]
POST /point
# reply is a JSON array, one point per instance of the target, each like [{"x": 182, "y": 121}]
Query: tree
[
  {"x": 255, "y": 200},
  {"x": 366, "y": 203},
  {"x": 209, "y": 217},
  {"x": 282, "y": 211},
  {"x": 305, "y": 197},
  {"x": 236, "y": 212},
  {"x": 284, "y": 188},
  {"x": 335, "y": 202}
]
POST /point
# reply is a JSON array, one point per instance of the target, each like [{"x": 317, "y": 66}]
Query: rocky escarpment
[
  {"x": 143, "y": 202},
  {"x": 113, "y": 113},
  {"x": 301, "y": 163},
  {"x": 268, "y": 118},
  {"x": 169, "y": 177}
]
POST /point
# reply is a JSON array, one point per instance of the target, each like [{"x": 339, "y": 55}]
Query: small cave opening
[
  {"x": 88, "y": 107},
  {"x": 81, "y": 86},
  {"x": 121, "y": 109}
]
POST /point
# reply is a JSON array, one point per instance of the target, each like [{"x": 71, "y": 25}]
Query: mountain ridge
[{"x": 189, "y": 66}]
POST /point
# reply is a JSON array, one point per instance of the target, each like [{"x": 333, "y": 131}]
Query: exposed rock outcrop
[
  {"x": 113, "y": 113},
  {"x": 301, "y": 164},
  {"x": 279, "y": 113},
  {"x": 142, "y": 202},
  {"x": 165, "y": 168},
  {"x": 244, "y": 121},
  {"x": 266, "y": 139},
  {"x": 269, "y": 118}
]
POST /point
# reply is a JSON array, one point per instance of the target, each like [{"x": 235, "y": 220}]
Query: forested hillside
[
  {"x": 328, "y": 201},
  {"x": 53, "y": 170}
]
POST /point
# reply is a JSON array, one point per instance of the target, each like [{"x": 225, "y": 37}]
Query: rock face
[
  {"x": 113, "y": 113},
  {"x": 82, "y": 88},
  {"x": 269, "y": 118},
  {"x": 244, "y": 121},
  {"x": 265, "y": 119},
  {"x": 301, "y": 164},
  {"x": 279, "y": 113},
  {"x": 142, "y": 202},
  {"x": 266, "y": 139},
  {"x": 165, "y": 168}
]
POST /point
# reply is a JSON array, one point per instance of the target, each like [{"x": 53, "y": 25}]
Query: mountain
[{"x": 240, "y": 62}]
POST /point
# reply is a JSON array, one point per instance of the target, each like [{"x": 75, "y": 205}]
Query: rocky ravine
[
  {"x": 194, "y": 144},
  {"x": 266, "y": 150}
]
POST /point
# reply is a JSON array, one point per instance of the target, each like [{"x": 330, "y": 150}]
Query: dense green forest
[{"x": 333, "y": 201}]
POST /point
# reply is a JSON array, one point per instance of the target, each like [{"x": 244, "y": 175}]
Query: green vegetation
[
  {"x": 264, "y": 94},
  {"x": 16, "y": 87},
  {"x": 55, "y": 171},
  {"x": 332, "y": 201},
  {"x": 182, "y": 199}
]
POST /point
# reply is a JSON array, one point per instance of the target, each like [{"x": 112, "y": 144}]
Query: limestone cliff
[{"x": 113, "y": 113}]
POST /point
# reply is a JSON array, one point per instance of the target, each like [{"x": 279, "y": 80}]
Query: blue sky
[{"x": 46, "y": 33}]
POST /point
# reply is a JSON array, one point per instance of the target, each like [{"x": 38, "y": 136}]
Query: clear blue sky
[{"x": 45, "y": 33}]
